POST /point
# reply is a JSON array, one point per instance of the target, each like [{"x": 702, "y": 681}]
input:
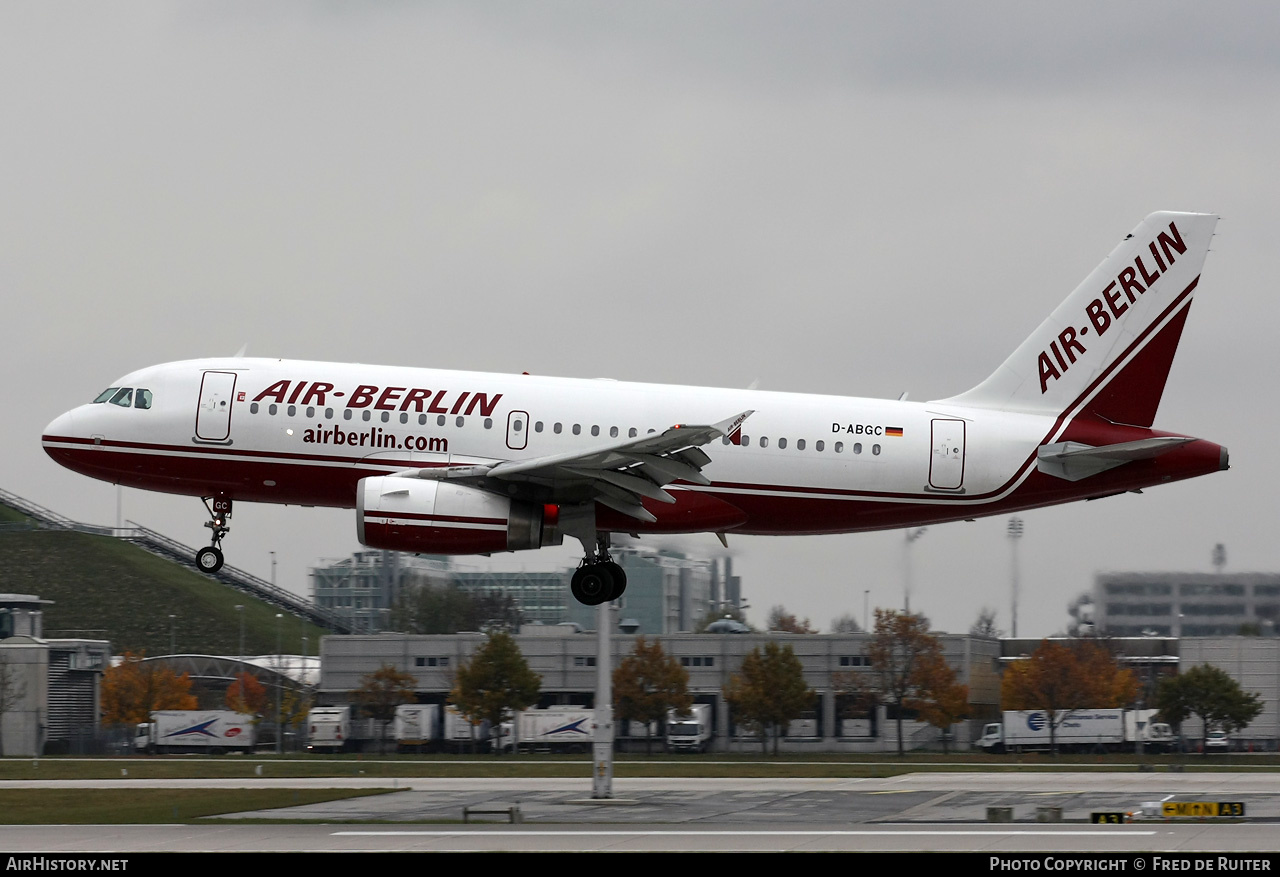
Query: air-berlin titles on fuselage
[
  {"x": 414, "y": 399},
  {"x": 1101, "y": 316}
]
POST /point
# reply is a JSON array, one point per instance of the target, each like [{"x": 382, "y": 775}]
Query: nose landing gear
[
  {"x": 598, "y": 578},
  {"x": 210, "y": 559}
]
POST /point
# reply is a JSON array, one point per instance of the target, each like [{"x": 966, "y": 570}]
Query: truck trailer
[
  {"x": 1080, "y": 730},
  {"x": 416, "y": 727},
  {"x": 196, "y": 731}
]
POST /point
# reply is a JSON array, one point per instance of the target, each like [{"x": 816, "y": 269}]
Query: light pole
[
  {"x": 273, "y": 569},
  {"x": 866, "y": 610},
  {"x": 279, "y": 688},
  {"x": 912, "y": 536},
  {"x": 1015, "y": 533}
]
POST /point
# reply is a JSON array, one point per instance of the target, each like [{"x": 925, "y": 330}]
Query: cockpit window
[
  {"x": 142, "y": 398},
  {"x": 123, "y": 397},
  {"x": 106, "y": 394}
]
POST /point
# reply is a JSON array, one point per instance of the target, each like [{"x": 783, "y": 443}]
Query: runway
[{"x": 921, "y": 811}]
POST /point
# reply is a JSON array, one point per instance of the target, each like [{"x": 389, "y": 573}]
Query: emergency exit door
[{"x": 946, "y": 468}]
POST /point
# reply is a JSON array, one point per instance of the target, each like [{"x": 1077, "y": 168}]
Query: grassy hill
[{"x": 104, "y": 588}]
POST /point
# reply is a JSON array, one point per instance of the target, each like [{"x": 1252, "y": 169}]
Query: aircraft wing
[{"x": 619, "y": 474}]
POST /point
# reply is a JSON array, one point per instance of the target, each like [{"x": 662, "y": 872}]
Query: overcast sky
[{"x": 850, "y": 198}]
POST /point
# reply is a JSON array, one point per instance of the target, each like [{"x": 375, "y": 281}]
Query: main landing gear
[
  {"x": 210, "y": 559},
  {"x": 598, "y": 578}
]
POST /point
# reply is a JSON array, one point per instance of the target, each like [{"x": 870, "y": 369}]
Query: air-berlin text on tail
[
  {"x": 1111, "y": 305},
  {"x": 383, "y": 398}
]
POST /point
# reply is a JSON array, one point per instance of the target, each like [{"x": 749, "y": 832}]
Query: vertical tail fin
[{"x": 1107, "y": 349}]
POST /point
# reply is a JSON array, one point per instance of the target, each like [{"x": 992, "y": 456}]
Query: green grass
[
  {"x": 151, "y": 806},
  {"x": 392, "y": 767},
  {"x": 103, "y": 588}
]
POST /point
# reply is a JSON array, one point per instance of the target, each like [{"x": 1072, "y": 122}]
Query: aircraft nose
[{"x": 61, "y": 428}]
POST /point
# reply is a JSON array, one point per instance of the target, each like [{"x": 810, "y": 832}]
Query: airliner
[{"x": 455, "y": 462}]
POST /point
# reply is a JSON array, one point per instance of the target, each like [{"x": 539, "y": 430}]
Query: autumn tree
[
  {"x": 782, "y": 621},
  {"x": 247, "y": 695},
  {"x": 380, "y": 692},
  {"x": 647, "y": 684},
  {"x": 134, "y": 688},
  {"x": 902, "y": 654},
  {"x": 769, "y": 692},
  {"x": 1210, "y": 693},
  {"x": 940, "y": 699},
  {"x": 1060, "y": 678},
  {"x": 496, "y": 682}
]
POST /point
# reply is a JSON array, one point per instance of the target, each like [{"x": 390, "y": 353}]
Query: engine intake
[{"x": 434, "y": 517}]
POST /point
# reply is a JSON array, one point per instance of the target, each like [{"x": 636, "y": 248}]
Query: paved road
[{"x": 934, "y": 811}]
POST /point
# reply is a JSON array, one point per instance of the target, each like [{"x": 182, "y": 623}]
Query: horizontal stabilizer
[{"x": 1073, "y": 461}]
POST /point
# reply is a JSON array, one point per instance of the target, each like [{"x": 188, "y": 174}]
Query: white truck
[
  {"x": 558, "y": 728},
  {"x": 329, "y": 728},
  {"x": 416, "y": 726},
  {"x": 690, "y": 732},
  {"x": 459, "y": 735},
  {"x": 1079, "y": 730},
  {"x": 196, "y": 731}
]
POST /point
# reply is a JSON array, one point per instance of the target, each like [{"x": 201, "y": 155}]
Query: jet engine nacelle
[{"x": 434, "y": 517}]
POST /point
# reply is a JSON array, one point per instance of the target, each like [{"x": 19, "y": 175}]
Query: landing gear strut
[
  {"x": 210, "y": 559},
  {"x": 598, "y": 578}
]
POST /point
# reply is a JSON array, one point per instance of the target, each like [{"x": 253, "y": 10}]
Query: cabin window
[
  {"x": 328, "y": 414},
  {"x": 440, "y": 420},
  {"x": 516, "y": 425},
  {"x": 404, "y": 417},
  {"x": 386, "y": 416},
  {"x": 366, "y": 415},
  {"x": 488, "y": 423},
  {"x": 595, "y": 430},
  {"x": 782, "y": 443},
  {"x": 271, "y": 409},
  {"x": 346, "y": 414},
  {"x": 293, "y": 410},
  {"x": 746, "y": 441},
  {"x": 799, "y": 444},
  {"x": 537, "y": 427},
  {"x": 556, "y": 429},
  {"x": 253, "y": 408},
  {"x": 839, "y": 448},
  {"x": 764, "y": 441},
  {"x": 857, "y": 447},
  {"x": 577, "y": 429},
  {"x": 422, "y": 420},
  {"x": 613, "y": 432},
  {"x": 461, "y": 420},
  {"x": 819, "y": 445},
  {"x": 875, "y": 449},
  {"x": 631, "y": 433},
  {"x": 311, "y": 411}
]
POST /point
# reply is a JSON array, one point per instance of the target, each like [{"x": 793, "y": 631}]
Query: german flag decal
[{"x": 893, "y": 430}]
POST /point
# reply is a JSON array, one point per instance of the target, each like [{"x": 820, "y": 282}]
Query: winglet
[{"x": 732, "y": 428}]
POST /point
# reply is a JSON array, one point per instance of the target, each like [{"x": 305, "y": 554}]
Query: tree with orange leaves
[
  {"x": 247, "y": 695},
  {"x": 134, "y": 688},
  {"x": 1060, "y": 678}
]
